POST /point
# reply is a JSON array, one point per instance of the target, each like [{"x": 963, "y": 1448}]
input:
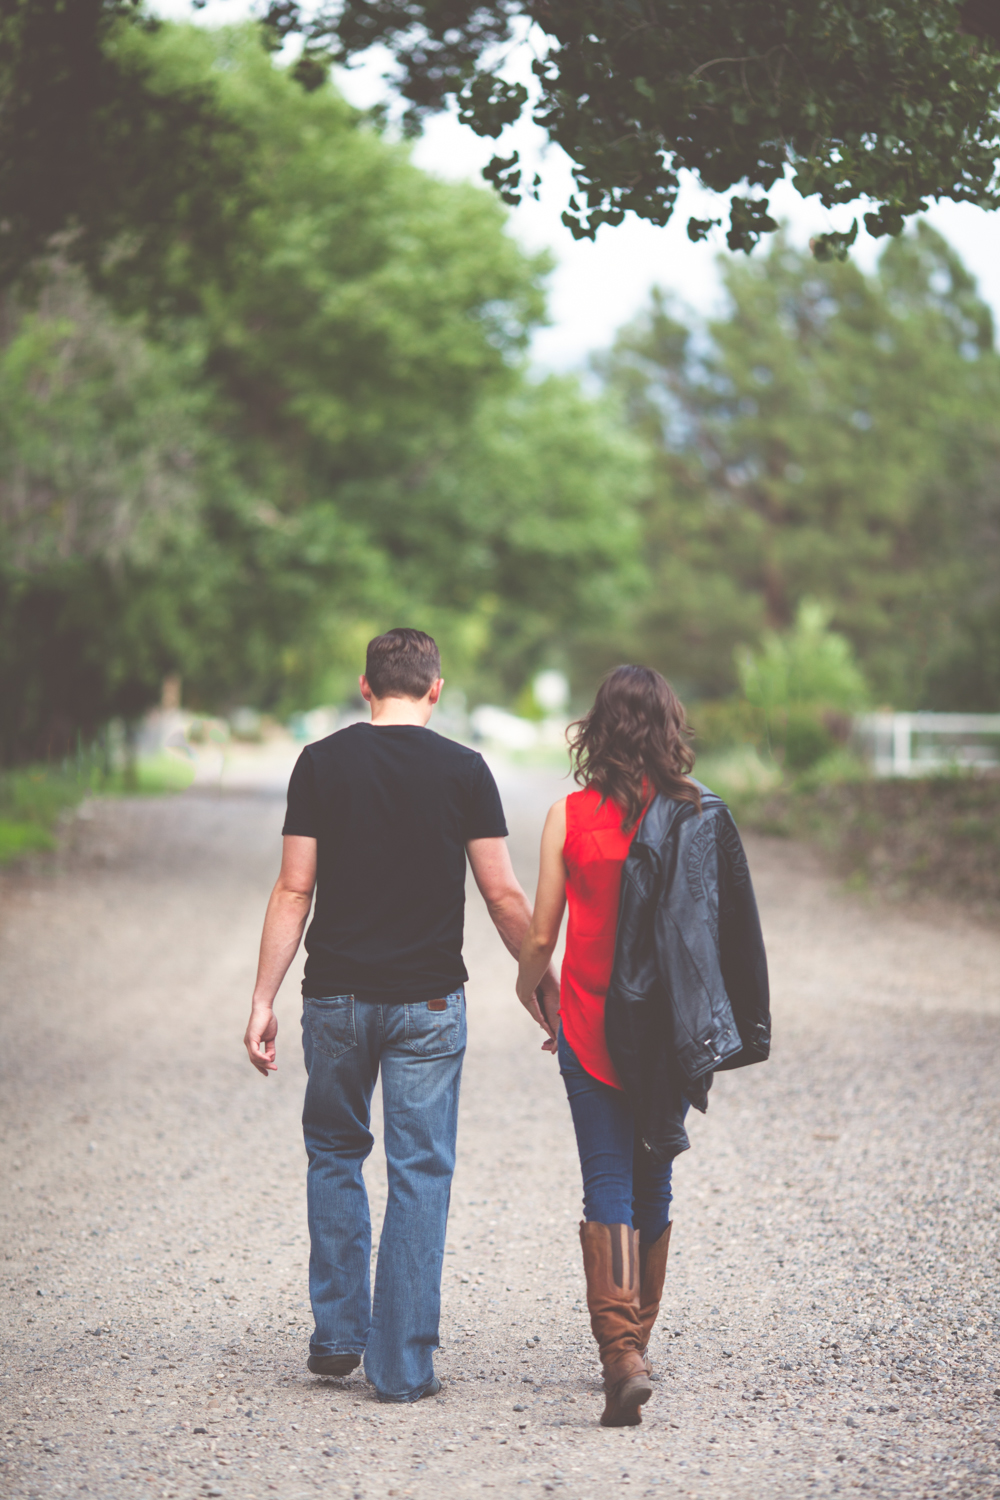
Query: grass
[
  {"x": 34, "y": 798},
  {"x": 20, "y": 838}
]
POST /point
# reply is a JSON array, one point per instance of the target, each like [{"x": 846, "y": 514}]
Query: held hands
[
  {"x": 542, "y": 1004},
  {"x": 262, "y": 1029}
]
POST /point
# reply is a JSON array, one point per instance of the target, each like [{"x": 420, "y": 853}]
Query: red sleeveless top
[{"x": 594, "y": 852}]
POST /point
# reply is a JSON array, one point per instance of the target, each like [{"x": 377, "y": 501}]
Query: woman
[{"x": 629, "y": 1082}]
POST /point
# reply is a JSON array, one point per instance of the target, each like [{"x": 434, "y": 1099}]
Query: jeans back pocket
[
  {"x": 331, "y": 1024},
  {"x": 435, "y": 1033}
]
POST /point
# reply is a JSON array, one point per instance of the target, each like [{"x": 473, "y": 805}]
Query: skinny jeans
[{"x": 621, "y": 1182}]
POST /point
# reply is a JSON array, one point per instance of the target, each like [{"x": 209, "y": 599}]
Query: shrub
[
  {"x": 803, "y": 738},
  {"x": 727, "y": 724}
]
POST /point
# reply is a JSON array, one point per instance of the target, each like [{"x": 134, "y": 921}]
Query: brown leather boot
[
  {"x": 652, "y": 1270},
  {"x": 611, "y": 1263}
]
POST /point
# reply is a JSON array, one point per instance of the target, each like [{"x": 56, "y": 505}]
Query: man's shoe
[
  {"x": 332, "y": 1364},
  {"x": 431, "y": 1389}
]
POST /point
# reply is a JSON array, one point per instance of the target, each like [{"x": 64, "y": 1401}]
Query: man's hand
[
  {"x": 262, "y": 1029},
  {"x": 542, "y": 1005}
]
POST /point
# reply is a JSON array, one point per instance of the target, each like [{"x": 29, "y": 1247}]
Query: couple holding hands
[{"x": 663, "y": 983}]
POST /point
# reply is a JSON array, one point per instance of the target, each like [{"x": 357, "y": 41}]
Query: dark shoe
[
  {"x": 332, "y": 1364},
  {"x": 429, "y": 1390},
  {"x": 611, "y": 1264},
  {"x": 652, "y": 1270}
]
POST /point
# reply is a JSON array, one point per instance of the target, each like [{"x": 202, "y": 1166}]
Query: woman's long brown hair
[{"x": 634, "y": 742}]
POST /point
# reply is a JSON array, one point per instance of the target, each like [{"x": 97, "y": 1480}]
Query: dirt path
[{"x": 832, "y": 1305}]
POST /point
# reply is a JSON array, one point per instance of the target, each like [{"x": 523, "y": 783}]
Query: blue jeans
[
  {"x": 621, "y": 1184},
  {"x": 420, "y": 1052}
]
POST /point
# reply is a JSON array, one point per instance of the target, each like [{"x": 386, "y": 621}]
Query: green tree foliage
[
  {"x": 895, "y": 102},
  {"x": 100, "y": 442},
  {"x": 100, "y": 146},
  {"x": 807, "y": 665},
  {"x": 803, "y": 682},
  {"x": 834, "y": 437},
  {"x": 323, "y": 434},
  {"x": 371, "y": 304},
  {"x": 525, "y": 524},
  {"x": 98, "y": 432}
]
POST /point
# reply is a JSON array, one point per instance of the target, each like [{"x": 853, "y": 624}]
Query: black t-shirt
[{"x": 391, "y": 808}]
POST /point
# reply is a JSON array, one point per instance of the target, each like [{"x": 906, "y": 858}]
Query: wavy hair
[{"x": 634, "y": 742}]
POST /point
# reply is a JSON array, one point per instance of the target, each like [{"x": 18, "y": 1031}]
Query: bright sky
[{"x": 597, "y": 286}]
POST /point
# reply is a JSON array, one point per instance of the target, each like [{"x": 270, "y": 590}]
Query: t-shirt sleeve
[
  {"x": 484, "y": 817},
  {"x": 302, "y": 815}
]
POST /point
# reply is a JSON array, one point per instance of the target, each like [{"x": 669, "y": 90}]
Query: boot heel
[{"x": 622, "y": 1405}]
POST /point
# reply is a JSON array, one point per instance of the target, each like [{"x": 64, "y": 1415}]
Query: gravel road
[{"x": 831, "y": 1313}]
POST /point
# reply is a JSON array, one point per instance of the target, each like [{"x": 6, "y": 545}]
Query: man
[{"x": 380, "y": 819}]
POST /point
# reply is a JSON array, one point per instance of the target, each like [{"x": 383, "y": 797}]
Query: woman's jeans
[
  {"x": 621, "y": 1184},
  {"x": 419, "y": 1050}
]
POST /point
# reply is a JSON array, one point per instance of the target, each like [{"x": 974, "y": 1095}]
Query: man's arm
[
  {"x": 510, "y": 911},
  {"x": 287, "y": 912}
]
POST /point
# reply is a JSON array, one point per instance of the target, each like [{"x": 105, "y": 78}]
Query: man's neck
[{"x": 387, "y": 712}]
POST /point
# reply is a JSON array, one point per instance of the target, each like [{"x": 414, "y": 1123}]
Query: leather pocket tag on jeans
[{"x": 437, "y": 1005}]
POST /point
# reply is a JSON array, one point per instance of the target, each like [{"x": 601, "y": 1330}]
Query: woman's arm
[{"x": 550, "y": 903}]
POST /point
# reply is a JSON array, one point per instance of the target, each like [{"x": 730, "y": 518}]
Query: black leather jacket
[{"x": 688, "y": 992}]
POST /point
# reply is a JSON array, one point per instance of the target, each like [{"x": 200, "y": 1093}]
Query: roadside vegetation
[
  {"x": 34, "y": 798},
  {"x": 231, "y": 453},
  {"x": 783, "y": 755}
]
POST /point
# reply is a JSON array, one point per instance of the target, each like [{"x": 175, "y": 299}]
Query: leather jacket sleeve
[
  {"x": 688, "y": 991},
  {"x": 742, "y": 958}
]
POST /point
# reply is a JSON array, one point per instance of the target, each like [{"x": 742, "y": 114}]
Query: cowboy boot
[
  {"x": 611, "y": 1264},
  {"x": 652, "y": 1270}
]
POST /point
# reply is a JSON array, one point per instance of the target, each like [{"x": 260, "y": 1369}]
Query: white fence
[{"x": 915, "y": 744}]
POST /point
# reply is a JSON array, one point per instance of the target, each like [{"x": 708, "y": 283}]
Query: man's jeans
[{"x": 419, "y": 1049}]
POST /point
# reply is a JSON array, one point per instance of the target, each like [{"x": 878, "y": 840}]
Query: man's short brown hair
[{"x": 402, "y": 664}]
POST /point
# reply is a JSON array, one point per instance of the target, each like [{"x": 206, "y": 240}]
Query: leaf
[
  {"x": 489, "y": 104},
  {"x": 835, "y": 244},
  {"x": 748, "y": 220},
  {"x": 698, "y": 229},
  {"x": 505, "y": 175}
]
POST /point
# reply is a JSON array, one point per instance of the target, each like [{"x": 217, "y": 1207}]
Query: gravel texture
[{"x": 830, "y": 1319}]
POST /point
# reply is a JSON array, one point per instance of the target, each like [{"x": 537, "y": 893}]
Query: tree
[
  {"x": 318, "y": 436},
  {"x": 518, "y": 541},
  {"x": 370, "y": 305},
  {"x": 101, "y": 439},
  {"x": 895, "y": 102},
  {"x": 834, "y": 437},
  {"x": 102, "y": 149},
  {"x": 99, "y": 431}
]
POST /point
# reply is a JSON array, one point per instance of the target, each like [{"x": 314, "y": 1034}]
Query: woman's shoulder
[
  {"x": 580, "y": 801},
  {"x": 591, "y": 809}
]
